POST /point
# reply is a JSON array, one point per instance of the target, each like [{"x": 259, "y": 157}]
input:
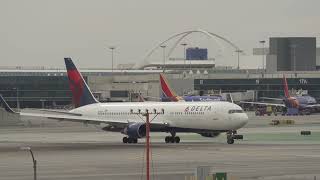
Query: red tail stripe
[
  {"x": 286, "y": 89},
  {"x": 76, "y": 86},
  {"x": 166, "y": 89}
]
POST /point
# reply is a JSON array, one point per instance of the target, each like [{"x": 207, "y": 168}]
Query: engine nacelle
[
  {"x": 135, "y": 130},
  {"x": 210, "y": 134}
]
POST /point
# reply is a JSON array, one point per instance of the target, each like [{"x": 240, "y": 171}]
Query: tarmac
[{"x": 76, "y": 152}]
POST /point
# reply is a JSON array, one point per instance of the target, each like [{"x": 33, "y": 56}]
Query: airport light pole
[
  {"x": 147, "y": 114},
  {"x": 238, "y": 51},
  {"x": 42, "y": 103},
  {"x": 33, "y": 161},
  {"x": 263, "y": 52},
  {"x": 184, "y": 54},
  {"x": 112, "y": 48},
  {"x": 164, "y": 56}
]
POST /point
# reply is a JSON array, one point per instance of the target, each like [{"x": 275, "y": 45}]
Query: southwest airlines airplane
[
  {"x": 169, "y": 95},
  {"x": 303, "y": 103},
  {"x": 208, "y": 119}
]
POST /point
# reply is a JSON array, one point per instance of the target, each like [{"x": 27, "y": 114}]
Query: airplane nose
[{"x": 243, "y": 119}]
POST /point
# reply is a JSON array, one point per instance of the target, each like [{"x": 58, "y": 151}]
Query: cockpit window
[{"x": 235, "y": 111}]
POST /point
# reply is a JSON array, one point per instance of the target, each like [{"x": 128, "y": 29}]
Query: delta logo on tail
[
  {"x": 81, "y": 94},
  {"x": 169, "y": 95}
]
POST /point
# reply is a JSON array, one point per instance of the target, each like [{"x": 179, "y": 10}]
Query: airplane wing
[
  {"x": 313, "y": 105},
  {"x": 75, "y": 117},
  {"x": 263, "y": 103},
  {"x": 57, "y": 111},
  {"x": 268, "y": 98}
]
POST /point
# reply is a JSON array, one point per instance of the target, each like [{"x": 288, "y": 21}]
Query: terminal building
[{"x": 49, "y": 88}]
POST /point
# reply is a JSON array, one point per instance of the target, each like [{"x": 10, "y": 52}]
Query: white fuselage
[{"x": 214, "y": 115}]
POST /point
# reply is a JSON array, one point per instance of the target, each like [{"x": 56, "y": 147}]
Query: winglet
[
  {"x": 6, "y": 106},
  {"x": 285, "y": 86}
]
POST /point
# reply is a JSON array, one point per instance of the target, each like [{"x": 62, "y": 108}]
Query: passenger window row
[
  {"x": 113, "y": 113},
  {"x": 186, "y": 113},
  {"x": 235, "y": 111}
]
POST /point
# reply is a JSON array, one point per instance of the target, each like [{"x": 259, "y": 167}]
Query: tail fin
[
  {"x": 285, "y": 87},
  {"x": 167, "y": 92},
  {"x": 81, "y": 94}
]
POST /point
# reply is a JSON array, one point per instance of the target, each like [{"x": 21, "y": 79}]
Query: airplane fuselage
[
  {"x": 215, "y": 116},
  {"x": 300, "y": 102}
]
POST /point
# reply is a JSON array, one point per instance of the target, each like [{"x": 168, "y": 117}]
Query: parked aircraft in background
[
  {"x": 169, "y": 95},
  {"x": 208, "y": 119},
  {"x": 299, "y": 104}
]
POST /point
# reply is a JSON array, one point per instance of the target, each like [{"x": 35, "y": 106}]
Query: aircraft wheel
[
  {"x": 172, "y": 139},
  {"x": 238, "y": 136},
  {"x": 135, "y": 140},
  {"x": 230, "y": 140},
  {"x": 130, "y": 140},
  {"x": 125, "y": 140},
  {"x": 167, "y": 139},
  {"x": 177, "y": 139}
]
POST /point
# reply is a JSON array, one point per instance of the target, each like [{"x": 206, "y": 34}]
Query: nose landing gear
[
  {"x": 230, "y": 140},
  {"x": 232, "y": 135}
]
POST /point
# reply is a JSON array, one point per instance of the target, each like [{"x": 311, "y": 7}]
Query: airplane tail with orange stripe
[
  {"x": 285, "y": 87},
  {"x": 167, "y": 92}
]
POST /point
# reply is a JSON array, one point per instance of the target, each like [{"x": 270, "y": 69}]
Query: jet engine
[
  {"x": 135, "y": 130},
  {"x": 210, "y": 134}
]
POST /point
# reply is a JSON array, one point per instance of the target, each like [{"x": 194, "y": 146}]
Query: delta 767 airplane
[{"x": 208, "y": 119}]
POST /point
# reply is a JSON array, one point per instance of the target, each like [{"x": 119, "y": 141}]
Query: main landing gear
[
  {"x": 232, "y": 135},
  {"x": 172, "y": 139},
  {"x": 129, "y": 140}
]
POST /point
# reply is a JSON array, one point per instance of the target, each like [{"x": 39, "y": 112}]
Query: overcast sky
[{"x": 42, "y": 32}]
